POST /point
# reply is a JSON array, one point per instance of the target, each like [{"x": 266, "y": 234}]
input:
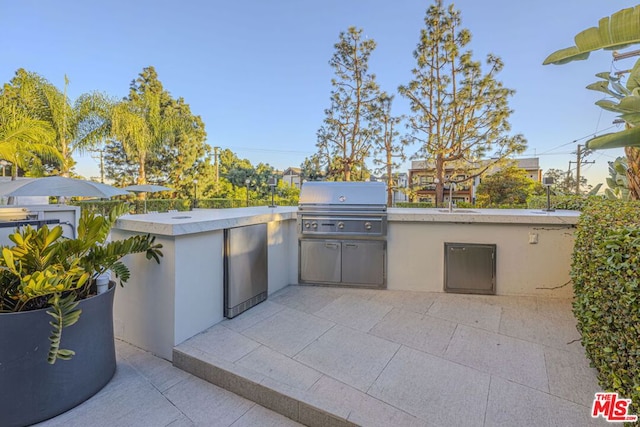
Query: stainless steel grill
[{"x": 342, "y": 228}]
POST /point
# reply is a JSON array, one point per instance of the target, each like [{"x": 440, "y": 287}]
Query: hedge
[
  {"x": 572, "y": 202},
  {"x": 163, "y": 205},
  {"x": 604, "y": 271},
  {"x": 414, "y": 205}
]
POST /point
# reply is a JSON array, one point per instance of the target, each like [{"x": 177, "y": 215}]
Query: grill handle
[{"x": 330, "y": 245}]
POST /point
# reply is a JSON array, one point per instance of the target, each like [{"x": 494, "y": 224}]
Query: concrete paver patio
[
  {"x": 344, "y": 356},
  {"x": 147, "y": 391},
  {"x": 326, "y": 356}
]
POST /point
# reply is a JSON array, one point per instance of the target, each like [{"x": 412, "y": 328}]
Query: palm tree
[
  {"x": 618, "y": 31},
  {"x": 25, "y": 140},
  {"x": 77, "y": 127},
  {"x": 145, "y": 120}
]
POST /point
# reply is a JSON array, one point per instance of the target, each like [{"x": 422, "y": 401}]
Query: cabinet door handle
[
  {"x": 351, "y": 245},
  {"x": 330, "y": 245}
]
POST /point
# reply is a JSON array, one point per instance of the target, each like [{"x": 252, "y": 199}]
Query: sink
[{"x": 457, "y": 211}]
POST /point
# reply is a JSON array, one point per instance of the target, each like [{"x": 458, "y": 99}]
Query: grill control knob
[
  {"x": 307, "y": 225},
  {"x": 314, "y": 224},
  {"x": 341, "y": 225},
  {"x": 367, "y": 226}
]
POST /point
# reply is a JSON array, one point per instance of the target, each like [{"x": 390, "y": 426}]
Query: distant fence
[{"x": 164, "y": 205}]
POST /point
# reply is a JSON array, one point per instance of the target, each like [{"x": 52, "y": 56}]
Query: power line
[
  {"x": 271, "y": 150},
  {"x": 591, "y": 135}
]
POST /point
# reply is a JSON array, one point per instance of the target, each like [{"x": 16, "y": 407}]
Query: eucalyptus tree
[
  {"x": 388, "y": 144},
  {"x": 618, "y": 31},
  {"x": 25, "y": 139},
  {"x": 345, "y": 138},
  {"x": 459, "y": 112},
  {"x": 144, "y": 121}
]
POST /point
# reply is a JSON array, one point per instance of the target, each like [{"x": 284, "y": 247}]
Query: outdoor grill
[{"x": 342, "y": 229}]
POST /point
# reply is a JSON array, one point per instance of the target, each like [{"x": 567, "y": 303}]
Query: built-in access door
[
  {"x": 363, "y": 262},
  {"x": 470, "y": 268},
  {"x": 320, "y": 261}
]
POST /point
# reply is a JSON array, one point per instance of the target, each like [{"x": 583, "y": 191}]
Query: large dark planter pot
[{"x": 32, "y": 390}]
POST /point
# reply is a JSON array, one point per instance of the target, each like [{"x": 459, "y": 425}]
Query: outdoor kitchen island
[{"x": 164, "y": 305}]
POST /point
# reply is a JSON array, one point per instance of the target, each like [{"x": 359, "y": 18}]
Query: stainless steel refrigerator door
[{"x": 246, "y": 277}]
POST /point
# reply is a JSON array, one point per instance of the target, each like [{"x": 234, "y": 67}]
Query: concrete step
[{"x": 298, "y": 405}]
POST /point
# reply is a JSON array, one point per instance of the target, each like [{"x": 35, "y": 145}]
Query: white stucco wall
[
  {"x": 163, "y": 305},
  {"x": 416, "y": 255}
]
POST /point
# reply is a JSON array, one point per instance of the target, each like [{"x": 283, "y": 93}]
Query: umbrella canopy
[
  {"x": 147, "y": 188},
  {"x": 58, "y": 186}
]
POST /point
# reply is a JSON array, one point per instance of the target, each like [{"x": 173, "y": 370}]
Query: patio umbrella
[
  {"x": 146, "y": 188},
  {"x": 58, "y": 186}
]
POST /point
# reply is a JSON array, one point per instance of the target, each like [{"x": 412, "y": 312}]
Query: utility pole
[
  {"x": 215, "y": 163},
  {"x": 579, "y": 162},
  {"x": 578, "y": 153},
  {"x": 101, "y": 151}
]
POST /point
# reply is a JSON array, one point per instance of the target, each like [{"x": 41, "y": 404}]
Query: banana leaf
[
  {"x": 609, "y": 105},
  {"x": 631, "y": 118},
  {"x": 625, "y": 138},
  {"x": 605, "y": 75},
  {"x": 602, "y": 86},
  {"x": 620, "y": 30},
  {"x": 630, "y": 104},
  {"x": 633, "y": 80}
]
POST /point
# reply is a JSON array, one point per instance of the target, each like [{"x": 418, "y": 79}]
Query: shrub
[
  {"x": 606, "y": 260},
  {"x": 572, "y": 202},
  {"x": 414, "y": 205}
]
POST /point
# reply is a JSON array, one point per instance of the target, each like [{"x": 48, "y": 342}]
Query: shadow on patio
[{"x": 341, "y": 356}]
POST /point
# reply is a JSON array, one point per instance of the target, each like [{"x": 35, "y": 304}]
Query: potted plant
[{"x": 57, "y": 344}]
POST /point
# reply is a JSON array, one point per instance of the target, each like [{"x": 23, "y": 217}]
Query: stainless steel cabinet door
[
  {"x": 320, "y": 261},
  {"x": 470, "y": 268},
  {"x": 363, "y": 262},
  {"x": 246, "y": 274}
]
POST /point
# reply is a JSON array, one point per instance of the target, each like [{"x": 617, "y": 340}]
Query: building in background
[
  {"x": 400, "y": 187},
  {"x": 292, "y": 176},
  {"x": 422, "y": 186}
]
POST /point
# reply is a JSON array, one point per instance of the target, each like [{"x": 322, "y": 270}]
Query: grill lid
[{"x": 343, "y": 194}]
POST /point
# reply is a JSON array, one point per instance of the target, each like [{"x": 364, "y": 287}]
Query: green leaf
[
  {"x": 609, "y": 105},
  {"x": 630, "y": 104},
  {"x": 601, "y": 86},
  {"x": 625, "y": 138},
  {"x": 622, "y": 29},
  {"x": 631, "y": 118}
]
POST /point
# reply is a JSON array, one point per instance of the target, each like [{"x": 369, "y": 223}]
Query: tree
[
  {"x": 615, "y": 32},
  {"x": 25, "y": 139},
  {"x": 345, "y": 138},
  {"x": 509, "y": 186},
  {"x": 311, "y": 170},
  {"x": 388, "y": 147},
  {"x": 143, "y": 122},
  {"x": 117, "y": 166},
  {"x": 76, "y": 127},
  {"x": 460, "y": 114},
  {"x": 184, "y": 157},
  {"x": 564, "y": 182}
]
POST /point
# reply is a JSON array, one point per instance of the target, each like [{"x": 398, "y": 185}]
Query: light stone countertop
[
  {"x": 204, "y": 220},
  {"x": 495, "y": 216}
]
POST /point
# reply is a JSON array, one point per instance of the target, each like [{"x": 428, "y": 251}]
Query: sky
[{"x": 258, "y": 72}]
